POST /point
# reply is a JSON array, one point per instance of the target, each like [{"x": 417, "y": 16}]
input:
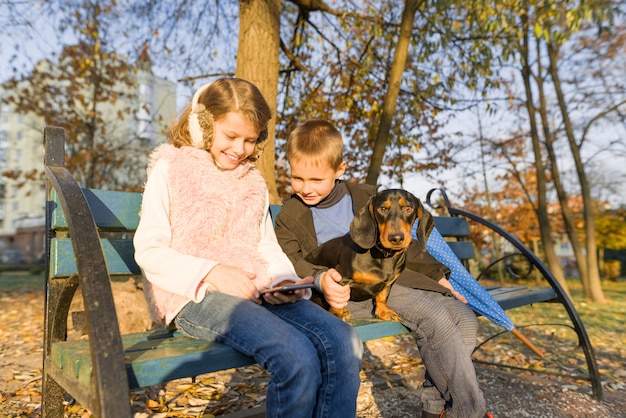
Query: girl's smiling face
[{"x": 234, "y": 140}]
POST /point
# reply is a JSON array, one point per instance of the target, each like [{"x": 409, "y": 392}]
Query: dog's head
[{"x": 387, "y": 219}]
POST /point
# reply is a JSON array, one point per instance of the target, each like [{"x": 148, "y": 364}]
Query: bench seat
[
  {"x": 510, "y": 297},
  {"x": 155, "y": 357}
]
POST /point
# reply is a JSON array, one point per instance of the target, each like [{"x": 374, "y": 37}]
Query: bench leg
[{"x": 52, "y": 398}]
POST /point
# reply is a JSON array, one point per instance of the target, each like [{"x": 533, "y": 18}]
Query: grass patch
[
  {"x": 21, "y": 280},
  {"x": 548, "y": 326}
]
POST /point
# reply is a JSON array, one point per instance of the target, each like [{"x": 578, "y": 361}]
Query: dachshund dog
[{"x": 372, "y": 256}]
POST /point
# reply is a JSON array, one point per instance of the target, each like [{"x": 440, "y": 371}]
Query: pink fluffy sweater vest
[{"x": 214, "y": 214}]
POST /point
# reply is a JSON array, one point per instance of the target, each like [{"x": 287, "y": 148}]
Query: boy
[{"x": 322, "y": 208}]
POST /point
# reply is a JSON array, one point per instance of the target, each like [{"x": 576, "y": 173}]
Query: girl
[{"x": 206, "y": 246}]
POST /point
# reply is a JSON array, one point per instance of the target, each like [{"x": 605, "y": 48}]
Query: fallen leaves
[{"x": 389, "y": 365}]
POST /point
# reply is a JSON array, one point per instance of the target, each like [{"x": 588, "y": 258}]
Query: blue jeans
[
  {"x": 314, "y": 359},
  {"x": 445, "y": 329}
]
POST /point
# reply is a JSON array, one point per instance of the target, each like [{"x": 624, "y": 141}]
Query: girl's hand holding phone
[
  {"x": 287, "y": 291},
  {"x": 233, "y": 281}
]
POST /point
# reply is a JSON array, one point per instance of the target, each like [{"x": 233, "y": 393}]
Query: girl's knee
[
  {"x": 350, "y": 350},
  {"x": 347, "y": 340},
  {"x": 298, "y": 358},
  {"x": 356, "y": 345}
]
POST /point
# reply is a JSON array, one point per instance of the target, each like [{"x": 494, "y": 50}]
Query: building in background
[
  {"x": 21, "y": 201},
  {"x": 22, "y": 198}
]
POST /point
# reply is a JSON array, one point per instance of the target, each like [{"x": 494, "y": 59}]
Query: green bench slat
[
  {"x": 182, "y": 357},
  {"x": 449, "y": 226},
  {"x": 112, "y": 210},
  {"x": 155, "y": 357},
  {"x": 274, "y": 210},
  {"x": 516, "y": 296},
  {"x": 119, "y": 254},
  {"x": 152, "y": 361},
  {"x": 373, "y": 329},
  {"x": 464, "y": 250}
]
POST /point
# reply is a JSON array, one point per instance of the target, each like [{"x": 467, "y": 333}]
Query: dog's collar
[{"x": 386, "y": 252}]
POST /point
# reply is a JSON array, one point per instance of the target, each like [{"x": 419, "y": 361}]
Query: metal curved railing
[{"x": 563, "y": 298}]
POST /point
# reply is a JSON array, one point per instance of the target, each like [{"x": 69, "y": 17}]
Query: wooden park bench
[{"x": 89, "y": 243}]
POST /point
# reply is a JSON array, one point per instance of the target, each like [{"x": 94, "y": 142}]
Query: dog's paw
[
  {"x": 387, "y": 314},
  {"x": 342, "y": 314}
]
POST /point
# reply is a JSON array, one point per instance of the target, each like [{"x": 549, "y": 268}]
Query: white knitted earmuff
[{"x": 195, "y": 130}]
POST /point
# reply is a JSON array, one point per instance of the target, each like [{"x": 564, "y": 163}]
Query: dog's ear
[
  {"x": 363, "y": 228},
  {"x": 419, "y": 208},
  {"x": 425, "y": 224}
]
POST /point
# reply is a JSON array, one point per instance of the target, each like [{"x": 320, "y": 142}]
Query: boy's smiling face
[{"x": 312, "y": 179}]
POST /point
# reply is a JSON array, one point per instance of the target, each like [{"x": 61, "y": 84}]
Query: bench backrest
[
  {"x": 457, "y": 234},
  {"x": 116, "y": 215}
]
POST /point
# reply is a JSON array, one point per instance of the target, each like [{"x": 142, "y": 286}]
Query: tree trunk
[
  {"x": 257, "y": 62},
  {"x": 566, "y": 212},
  {"x": 541, "y": 210},
  {"x": 391, "y": 98},
  {"x": 495, "y": 238},
  {"x": 593, "y": 288}
]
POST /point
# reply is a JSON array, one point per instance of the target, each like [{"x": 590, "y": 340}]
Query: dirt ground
[{"x": 391, "y": 377}]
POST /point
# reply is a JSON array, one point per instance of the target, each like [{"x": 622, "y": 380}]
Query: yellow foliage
[
  {"x": 612, "y": 269},
  {"x": 538, "y": 30}
]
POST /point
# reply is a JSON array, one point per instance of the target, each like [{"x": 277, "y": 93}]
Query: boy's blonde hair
[
  {"x": 316, "y": 139},
  {"x": 212, "y": 102}
]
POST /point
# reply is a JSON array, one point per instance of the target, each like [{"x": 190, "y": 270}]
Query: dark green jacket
[{"x": 296, "y": 234}]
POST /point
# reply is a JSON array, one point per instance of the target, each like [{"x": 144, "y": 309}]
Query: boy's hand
[
  {"x": 445, "y": 283},
  {"x": 278, "y": 298},
  {"x": 335, "y": 294}
]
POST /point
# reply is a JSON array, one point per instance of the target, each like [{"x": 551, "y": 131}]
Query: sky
[
  {"x": 610, "y": 166},
  {"x": 15, "y": 42}
]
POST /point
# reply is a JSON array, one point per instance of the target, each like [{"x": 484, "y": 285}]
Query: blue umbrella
[{"x": 463, "y": 282}]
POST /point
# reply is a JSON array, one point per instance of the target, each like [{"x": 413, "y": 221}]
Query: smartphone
[{"x": 288, "y": 288}]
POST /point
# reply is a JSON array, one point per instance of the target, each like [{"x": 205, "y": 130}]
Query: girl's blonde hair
[
  {"x": 212, "y": 102},
  {"x": 316, "y": 139}
]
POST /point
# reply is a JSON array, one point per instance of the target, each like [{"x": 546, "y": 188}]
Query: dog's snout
[{"x": 396, "y": 239}]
